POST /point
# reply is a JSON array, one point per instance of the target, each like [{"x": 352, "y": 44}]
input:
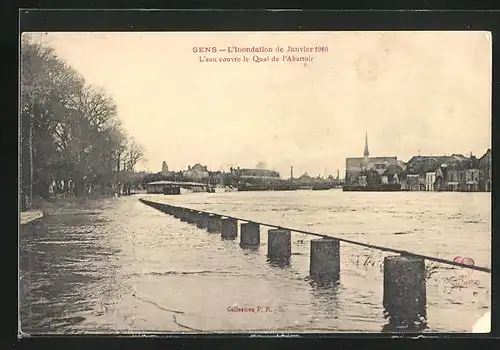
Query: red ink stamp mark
[
  {"x": 464, "y": 279},
  {"x": 464, "y": 260},
  {"x": 468, "y": 261}
]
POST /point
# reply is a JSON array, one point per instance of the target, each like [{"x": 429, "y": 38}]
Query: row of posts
[{"x": 404, "y": 294}]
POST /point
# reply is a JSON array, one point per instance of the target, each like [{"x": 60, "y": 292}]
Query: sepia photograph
[{"x": 255, "y": 182}]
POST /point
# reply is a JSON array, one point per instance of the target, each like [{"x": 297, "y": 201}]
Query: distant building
[
  {"x": 452, "y": 180},
  {"x": 164, "y": 168},
  {"x": 305, "y": 177},
  {"x": 430, "y": 179},
  {"x": 255, "y": 173},
  {"x": 401, "y": 164},
  {"x": 362, "y": 181},
  {"x": 196, "y": 172},
  {"x": 423, "y": 164},
  {"x": 439, "y": 182},
  {"x": 384, "y": 180},
  {"x": 394, "y": 173},
  {"x": 216, "y": 177},
  {"x": 484, "y": 166},
  {"x": 462, "y": 179},
  {"x": 357, "y": 167},
  {"x": 413, "y": 182},
  {"x": 451, "y": 173},
  {"x": 472, "y": 179}
]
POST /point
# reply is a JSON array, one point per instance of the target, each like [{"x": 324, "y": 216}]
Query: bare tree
[
  {"x": 70, "y": 131},
  {"x": 133, "y": 155}
]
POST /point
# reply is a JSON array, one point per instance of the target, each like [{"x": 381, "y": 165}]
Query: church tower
[
  {"x": 164, "y": 167},
  {"x": 366, "y": 153}
]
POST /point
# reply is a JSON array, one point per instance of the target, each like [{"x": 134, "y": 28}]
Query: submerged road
[{"x": 117, "y": 265}]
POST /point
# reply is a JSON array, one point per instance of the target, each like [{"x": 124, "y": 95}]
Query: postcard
[{"x": 262, "y": 183}]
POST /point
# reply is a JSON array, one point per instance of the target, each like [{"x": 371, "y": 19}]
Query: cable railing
[{"x": 345, "y": 240}]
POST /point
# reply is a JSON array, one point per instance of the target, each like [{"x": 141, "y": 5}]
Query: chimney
[{"x": 366, "y": 152}]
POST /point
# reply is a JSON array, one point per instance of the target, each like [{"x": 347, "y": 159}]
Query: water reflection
[
  {"x": 73, "y": 281},
  {"x": 280, "y": 262},
  {"x": 320, "y": 286},
  {"x": 327, "y": 279},
  {"x": 406, "y": 323},
  {"x": 66, "y": 272},
  {"x": 250, "y": 248},
  {"x": 247, "y": 249},
  {"x": 228, "y": 238},
  {"x": 324, "y": 295}
]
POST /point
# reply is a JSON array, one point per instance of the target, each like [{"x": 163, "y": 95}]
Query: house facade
[
  {"x": 261, "y": 174},
  {"x": 452, "y": 183},
  {"x": 413, "y": 182},
  {"x": 451, "y": 173},
  {"x": 484, "y": 167},
  {"x": 462, "y": 179},
  {"x": 196, "y": 172},
  {"x": 358, "y": 167},
  {"x": 430, "y": 179},
  {"x": 304, "y": 179},
  {"x": 472, "y": 180}
]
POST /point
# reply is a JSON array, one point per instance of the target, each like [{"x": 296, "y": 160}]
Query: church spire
[{"x": 367, "y": 153}]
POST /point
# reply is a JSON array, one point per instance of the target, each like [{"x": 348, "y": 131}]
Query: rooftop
[{"x": 175, "y": 183}]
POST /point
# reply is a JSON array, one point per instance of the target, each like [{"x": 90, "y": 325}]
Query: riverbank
[
  {"x": 44, "y": 207},
  {"x": 29, "y": 216}
]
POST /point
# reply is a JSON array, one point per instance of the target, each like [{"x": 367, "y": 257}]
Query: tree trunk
[
  {"x": 117, "y": 182},
  {"x": 79, "y": 189},
  {"x": 43, "y": 189}
]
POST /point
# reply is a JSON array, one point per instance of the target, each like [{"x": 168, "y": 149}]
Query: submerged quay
[{"x": 145, "y": 262}]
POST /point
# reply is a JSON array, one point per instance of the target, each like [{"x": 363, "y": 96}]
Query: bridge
[{"x": 173, "y": 187}]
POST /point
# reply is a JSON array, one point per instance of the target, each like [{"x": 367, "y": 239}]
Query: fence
[{"x": 404, "y": 296}]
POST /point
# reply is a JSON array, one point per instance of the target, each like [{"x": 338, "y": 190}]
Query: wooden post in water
[
  {"x": 228, "y": 228},
  {"x": 202, "y": 220},
  {"x": 165, "y": 208},
  {"x": 279, "y": 244},
  {"x": 213, "y": 224},
  {"x": 405, "y": 290},
  {"x": 177, "y": 212},
  {"x": 250, "y": 235},
  {"x": 325, "y": 260},
  {"x": 192, "y": 217},
  {"x": 184, "y": 214}
]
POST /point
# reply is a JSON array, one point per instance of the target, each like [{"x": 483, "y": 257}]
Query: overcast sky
[{"x": 411, "y": 91}]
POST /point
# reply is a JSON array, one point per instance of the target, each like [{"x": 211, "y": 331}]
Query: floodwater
[{"x": 117, "y": 265}]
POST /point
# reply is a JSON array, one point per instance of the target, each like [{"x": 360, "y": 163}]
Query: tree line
[{"x": 72, "y": 141}]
